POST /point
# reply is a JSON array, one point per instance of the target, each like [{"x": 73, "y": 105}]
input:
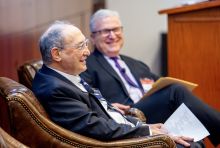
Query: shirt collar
[
  {"x": 109, "y": 58},
  {"x": 75, "y": 79}
]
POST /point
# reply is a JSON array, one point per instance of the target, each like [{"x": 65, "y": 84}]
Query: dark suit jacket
[
  {"x": 78, "y": 111},
  {"x": 101, "y": 75}
]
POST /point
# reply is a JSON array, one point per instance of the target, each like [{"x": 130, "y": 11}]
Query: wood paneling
[
  {"x": 194, "y": 48},
  {"x": 194, "y": 51},
  {"x": 23, "y": 21}
]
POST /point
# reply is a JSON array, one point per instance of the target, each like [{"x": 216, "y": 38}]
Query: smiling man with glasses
[
  {"x": 123, "y": 80},
  {"x": 69, "y": 100},
  {"x": 107, "y": 35}
]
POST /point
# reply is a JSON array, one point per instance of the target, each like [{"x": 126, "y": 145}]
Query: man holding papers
[{"x": 123, "y": 81}]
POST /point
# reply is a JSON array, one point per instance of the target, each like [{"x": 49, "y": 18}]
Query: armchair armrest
[
  {"x": 137, "y": 114},
  {"x": 8, "y": 141}
]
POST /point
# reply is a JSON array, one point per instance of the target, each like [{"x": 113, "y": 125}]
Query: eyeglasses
[
  {"x": 80, "y": 46},
  {"x": 106, "y": 32}
]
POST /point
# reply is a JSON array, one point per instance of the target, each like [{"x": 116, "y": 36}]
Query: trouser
[
  {"x": 199, "y": 144},
  {"x": 160, "y": 105}
]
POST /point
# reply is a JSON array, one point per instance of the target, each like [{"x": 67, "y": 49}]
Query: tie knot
[
  {"x": 86, "y": 86},
  {"x": 114, "y": 58},
  {"x": 92, "y": 91},
  {"x": 82, "y": 81}
]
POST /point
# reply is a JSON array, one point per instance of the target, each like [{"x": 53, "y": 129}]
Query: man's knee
[
  {"x": 177, "y": 87},
  {"x": 199, "y": 144},
  {"x": 178, "y": 91}
]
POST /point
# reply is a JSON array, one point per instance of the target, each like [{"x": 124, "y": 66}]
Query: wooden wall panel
[
  {"x": 194, "y": 51},
  {"x": 23, "y": 21}
]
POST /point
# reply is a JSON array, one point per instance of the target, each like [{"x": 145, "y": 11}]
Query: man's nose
[
  {"x": 86, "y": 51},
  {"x": 112, "y": 34}
]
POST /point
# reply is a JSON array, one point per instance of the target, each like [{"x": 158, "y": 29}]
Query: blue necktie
[
  {"x": 97, "y": 94},
  {"x": 90, "y": 90},
  {"x": 123, "y": 73}
]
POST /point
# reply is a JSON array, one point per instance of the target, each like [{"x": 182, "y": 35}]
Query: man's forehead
[
  {"x": 110, "y": 21},
  {"x": 73, "y": 36},
  {"x": 71, "y": 29}
]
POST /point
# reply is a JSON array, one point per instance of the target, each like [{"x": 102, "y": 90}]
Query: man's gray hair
[
  {"x": 100, "y": 14},
  {"x": 52, "y": 37}
]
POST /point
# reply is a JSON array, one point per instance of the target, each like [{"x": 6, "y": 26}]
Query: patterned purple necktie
[{"x": 123, "y": 73}]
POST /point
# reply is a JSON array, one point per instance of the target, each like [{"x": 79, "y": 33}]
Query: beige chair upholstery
[
  {"x": 27, "y": 71},
  {"x": 29, "y": 123},
  {"x": 7, "y": 141}
]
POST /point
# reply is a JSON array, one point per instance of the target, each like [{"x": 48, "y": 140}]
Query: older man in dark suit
[
  {"x": 123, "y": 80},
  {"x": 71, "y": 102}
]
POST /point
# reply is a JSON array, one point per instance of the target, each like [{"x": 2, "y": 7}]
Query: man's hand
[
  {"x": 157, "y": 129},
  {"x": 182, "y": 140},
  {"x": 120, "y": 107},
  {"x": 160, "y": 129}
]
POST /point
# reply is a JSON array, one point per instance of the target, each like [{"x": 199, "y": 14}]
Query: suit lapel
[{"x": 104, "y": 63}]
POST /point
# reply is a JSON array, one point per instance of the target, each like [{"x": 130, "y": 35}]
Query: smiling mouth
[
  {"x": 83, "y": 61},
  {"x": 111, "y": 42}
]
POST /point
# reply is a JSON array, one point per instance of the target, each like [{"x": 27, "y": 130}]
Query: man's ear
[{"x": 55, "y": 54}]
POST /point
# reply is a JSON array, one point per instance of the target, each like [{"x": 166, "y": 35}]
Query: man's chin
[{"x": 84, "y": 69}]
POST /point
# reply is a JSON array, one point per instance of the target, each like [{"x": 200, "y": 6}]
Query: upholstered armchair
[
  {"x": 30, "y": 124},
  {"x": 27, "y": 71},
  {"x": 7, "y": 141}
]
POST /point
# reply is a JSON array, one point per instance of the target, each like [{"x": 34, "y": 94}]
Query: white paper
[{"x": 184, "y": 123}]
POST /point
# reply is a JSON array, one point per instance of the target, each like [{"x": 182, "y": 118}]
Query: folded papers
[{"x": 165, "y": 81}]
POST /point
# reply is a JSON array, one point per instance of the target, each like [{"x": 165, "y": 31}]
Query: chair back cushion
[
  {"x": 9, "y": 88},
  {"x": 27, "y": 71}
]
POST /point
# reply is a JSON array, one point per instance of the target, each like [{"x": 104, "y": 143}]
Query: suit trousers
[
  {"x": 199, "y": 144},
  {"x": 160, "y": 105}
]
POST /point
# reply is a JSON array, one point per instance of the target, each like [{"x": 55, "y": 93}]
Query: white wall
[{"x": 142, "y": 28}]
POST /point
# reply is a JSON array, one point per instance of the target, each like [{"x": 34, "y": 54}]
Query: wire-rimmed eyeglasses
[
  {"x": 80, "y": 46},
  {"x": 105, "y": 32}
]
